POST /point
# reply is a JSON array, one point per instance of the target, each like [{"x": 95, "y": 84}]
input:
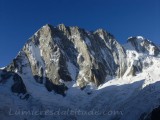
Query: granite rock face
[{"x": 64, "y": 53}]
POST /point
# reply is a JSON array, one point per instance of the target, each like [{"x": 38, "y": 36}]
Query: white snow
[
  {"x": 79, "y": 55},
  {"x": 87, "y": 41},
  {"x": 101, "y": 36},
  {"x": 93, "y": 53},
  {"x": 72, "y": 70},
  {"x": 151, "y": 50},
  {"x": 2, "y": 68},
  {"x": 140, "y": 37},
  {"x": 130, "y": 37},
  {"x": 35, "y": 54}
]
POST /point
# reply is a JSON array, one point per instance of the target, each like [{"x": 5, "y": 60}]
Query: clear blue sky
[{"x": 19, "y": 19}]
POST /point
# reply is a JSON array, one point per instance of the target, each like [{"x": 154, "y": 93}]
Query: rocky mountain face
[
  {"x": 70, "y": 62},
  {"x": 56, "y": 54}
]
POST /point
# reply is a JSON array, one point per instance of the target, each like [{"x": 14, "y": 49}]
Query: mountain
[
  {"x": 68, "y": 69},
  {"x": 56, "y": 54},
  {"x": 143, "y": 45}
]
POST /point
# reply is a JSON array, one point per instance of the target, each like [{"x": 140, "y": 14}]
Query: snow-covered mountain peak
[
  {"x": 143, "y": 45},
  {"x": 69, "y": 67},
  {"x": 138, "y": 39}
]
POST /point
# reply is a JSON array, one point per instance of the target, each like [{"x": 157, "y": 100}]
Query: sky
[{"x": 20, "y": 19}]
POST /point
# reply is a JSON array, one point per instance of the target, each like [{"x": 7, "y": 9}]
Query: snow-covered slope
[{"x": 69, "y": 73}]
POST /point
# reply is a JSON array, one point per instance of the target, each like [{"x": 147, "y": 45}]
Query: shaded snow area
[
  {"x": 72, "y": 70},
  {"x": 87, "y": 41}
]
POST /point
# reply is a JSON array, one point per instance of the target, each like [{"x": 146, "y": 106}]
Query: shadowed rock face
[
  {"x": 154, "y": 115},
  {"x": 71, "y": 53},
  {"x": 17, "y": 85}
]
